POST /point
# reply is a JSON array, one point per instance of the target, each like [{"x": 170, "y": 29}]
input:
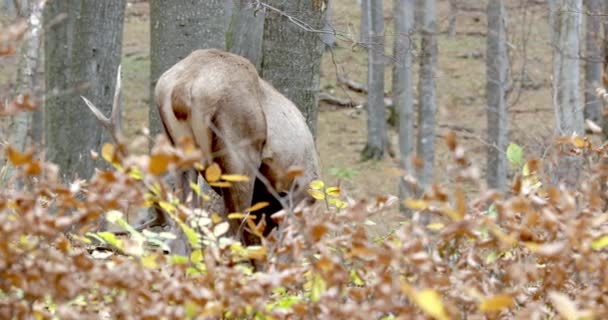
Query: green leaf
[
  {"x": 110, "y": 239},
  {"x": 515, "y": 154},
  {"x": 177, "y": 259}
]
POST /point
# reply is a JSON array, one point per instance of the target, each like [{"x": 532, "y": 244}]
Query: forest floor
[{"x": 460, "y": 92}]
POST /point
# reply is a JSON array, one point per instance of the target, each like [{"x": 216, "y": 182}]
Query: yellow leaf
[
  {"x": 235, "y": 178},
  {"x": 317, "y": 184},
  {"x": 430, "y": 302},
  {"x": 415, "y": 204},
  {"x": 166, "y": 206},
  {"x": 496, "y": 303},
  {"x": 258, "y": 206},
  {"x": 213, "y": 173},
  {"x": 196, "y": 256},
  {"x": 195, "y": 188},
  {"x": 236, "y": 215},
  {"x": 149, "y": 261},
  {"x": 136, "y": 174},
  {"x": 319, "y": 195},
  {"x": 220, "y": 184},
  {"x": 159, "y": 163},
  {"x": 435, "y": 226},
  {"x": 333, "y": 191},
  {"x": 600, "y": 243},
  {"x": 107, "y": 152},
  {"x": 318, "y": 287},
  {"x": 256, "y": 252}
]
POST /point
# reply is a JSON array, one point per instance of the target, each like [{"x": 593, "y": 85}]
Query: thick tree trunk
[
  {"x": 246, "y": 31},
  {"x": 403, "y": 91},
  {"x": 176, "y": 29},
  {"x": 291, "y": 59},
  {"x": 376, "y": 119},
  {"x": 81, "y": 58},
  {"x": 427, "y": 107},
  {"x": 496, "y": 82},
  {"x": 594, "y": 57},
  {"x": 566, "y": 79}
]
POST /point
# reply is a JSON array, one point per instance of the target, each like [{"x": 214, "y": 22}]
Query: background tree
[
  {"x": 496, "y": 82},
  {"x": 425, "y": 147},
  {"x": 82, "y": 54},
  {"x": 245, "y": 32},
  {"x": 364, "y": 24},
  {"x": 594, "y": 58},
  {"x": 567, "y": 16},
  {"x": 329, "y": 38},
  {"x": 403, "y": 91},
  {"x": 176, "y": 29},
  {"x": 16, "y": 128},
  {"x": 377, "y": 139},
  {"x": 291, "y": 59}
]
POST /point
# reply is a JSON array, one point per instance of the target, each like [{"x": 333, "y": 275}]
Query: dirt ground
[{"x": 460, "y": 91}]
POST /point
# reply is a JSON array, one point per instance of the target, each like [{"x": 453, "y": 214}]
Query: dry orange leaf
[
  {"x": 159, "y": 163},
  {"x": 213, "y": 173},
  {"x": 496, "y": 303},
  {"x": 18, "y": 158},
  {"x": 258, "y": 206}
]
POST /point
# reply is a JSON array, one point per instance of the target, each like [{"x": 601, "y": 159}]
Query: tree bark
[
  {"x": 403, "y": 91},
  {"x": 452, "y": 20},
  {"x": 376, "y": 119},
  {"x": 566, "y": 79},
  {"x": 496, "y": 82},
  {"x": 81, "y": 58},
  {"x": 291, "y": 59},
  {"x": 329, "y": 37},
  {"x": 364, "y": 25},
  {"x": 593, "y": 61},
  {"x": 17, "y": 127},
  {"x": 425, "y": 147},
  {"x": 176, "y": 29},
  {"x": 245, "y": 32}
]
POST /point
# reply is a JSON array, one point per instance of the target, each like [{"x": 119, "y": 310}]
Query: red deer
[
  {"x": 243, "y": 124},
  {"x": 239, "y": 121}
]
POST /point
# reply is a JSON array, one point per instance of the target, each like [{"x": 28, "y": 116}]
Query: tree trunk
[
  {"x": 376, "y": 118},
  {"x": 364, "y": 25},
  {"x": 452, "y": 19},
  {"x": 593, "y": 61},
  {"x": 17, "y": 127},
  {"x": 496, "y": 82},
  {"x": 329, "y": 38},
  {"x": 403, "y": 91},
  {"x": 426, "y": 89},
  {"x": 176, "y": 29},
  {"x": 566, "y": 99},
  {"x": 246, "y": 31},
  {"x": 291, "y": 59},
  {"x": 81, "y": 58}
]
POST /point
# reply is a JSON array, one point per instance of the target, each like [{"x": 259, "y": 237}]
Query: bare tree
[
  {"x": 567, "y": 18},
  {"x": 377, "y": 137},
  {"x": 82, "y": 53},
  {"x": 292, "y": 52},
  {"x": 364, "y": 24},
  {"x": 594, "y": 57},
  {"x": 427, "y": 107},
  {"x": 329, "y": 37},
  {"x": 496, "y": 82},
  {"x": 176, "y": 29},
  {"x": 16, "y": 128},
  {"x": 452, "y": 18},
  {"x": 403, "y": 91},
  {"x": 245, "y": 32}
]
